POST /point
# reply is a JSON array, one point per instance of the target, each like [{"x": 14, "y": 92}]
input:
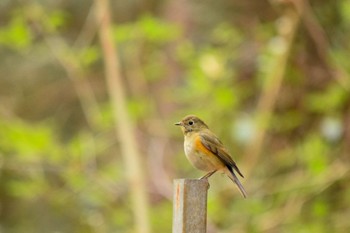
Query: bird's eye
[{"x": 190, "y": 122}]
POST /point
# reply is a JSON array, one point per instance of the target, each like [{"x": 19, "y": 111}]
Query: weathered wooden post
[{"x": 190, "y": 206}]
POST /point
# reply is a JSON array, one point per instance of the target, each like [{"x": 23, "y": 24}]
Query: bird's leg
[{"x": 207, "y": 175}]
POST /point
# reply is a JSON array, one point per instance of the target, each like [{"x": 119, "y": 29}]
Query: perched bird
[{"x": 206, "y": 152}]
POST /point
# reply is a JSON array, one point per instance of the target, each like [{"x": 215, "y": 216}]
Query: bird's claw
[{"x": 205, "y": 178}]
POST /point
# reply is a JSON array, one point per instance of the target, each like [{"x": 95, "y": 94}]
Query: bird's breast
[{"x": 199, "y": 156}]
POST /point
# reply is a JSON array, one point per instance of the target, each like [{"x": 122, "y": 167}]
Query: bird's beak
[{"x": 178, "y": 123}]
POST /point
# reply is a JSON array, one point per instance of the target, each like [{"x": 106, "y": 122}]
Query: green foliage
[
  {"x": 345, "y": 10},
  {"x": 60, "y": 160},
  {"x": 333, "y": 99},
  {"x": 88, "y": 56},
  {"x": 314, "y": 154},
  {"x": 147, "y": 28},
  {"x": 56, "y": 20},
  {"x": 27, "y": 143},
  {"x": 16, "y": 34}
]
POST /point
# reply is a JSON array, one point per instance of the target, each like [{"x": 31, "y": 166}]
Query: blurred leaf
[
  {"x": 320, "y": 209},
  {"x": 225, "y": 98},
  {"x": 138, "y": 108},
  {"x": 329, "y": 100},
  {"x": 27, "y": 189},
  {"x": 156, "y": 30},
  {"x": 225, "y": 33},
  {"x": 345, "y": 11},
  {"x": 56, "y": 19},
  {"x": 16, "y": 34},
  {"x": 314, "y": 153},
  {"x": 148, "y": 28},
  {"x": 287, "y": 121},
  {"x": 89, "y": 55},
  {"x": 161, "y": 216},
  {"x": 28, "y": 142},
  {"x": 107, "y": 120}
]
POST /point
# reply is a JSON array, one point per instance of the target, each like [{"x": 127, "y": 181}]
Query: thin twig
[
  {"x": 271, "y": 87},
  {"x": 123, "y": 124}
]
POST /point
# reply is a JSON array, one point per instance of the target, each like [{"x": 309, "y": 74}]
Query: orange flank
[
  {"x": 200, "y": 147},
  {"x": 204, "y": 151}
]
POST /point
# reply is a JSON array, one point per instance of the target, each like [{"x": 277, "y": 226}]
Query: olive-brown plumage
[{"x": 206, "y": 152}]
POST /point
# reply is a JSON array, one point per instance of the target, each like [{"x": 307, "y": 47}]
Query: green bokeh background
[{"x": 280, "y": 103}]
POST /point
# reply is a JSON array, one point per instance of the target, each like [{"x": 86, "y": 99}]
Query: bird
[{"x": 206, "y": 152}]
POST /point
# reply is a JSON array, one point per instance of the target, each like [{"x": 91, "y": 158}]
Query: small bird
[{"x": 206, "y": 152}]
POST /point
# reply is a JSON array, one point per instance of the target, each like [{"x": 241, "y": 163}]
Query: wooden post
[{"x": 190, "y": 206}]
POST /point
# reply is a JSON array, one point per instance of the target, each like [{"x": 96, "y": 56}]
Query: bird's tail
[{"x": 231, "y": 174}]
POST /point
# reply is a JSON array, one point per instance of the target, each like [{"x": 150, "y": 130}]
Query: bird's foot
[{"x": 206, "y": 179}]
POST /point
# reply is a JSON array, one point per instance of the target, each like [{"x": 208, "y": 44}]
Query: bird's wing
[{"x": 213, "y": 144}]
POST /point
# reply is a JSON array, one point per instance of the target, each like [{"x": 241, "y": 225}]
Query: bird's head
[{"x": 191, "y": 124}]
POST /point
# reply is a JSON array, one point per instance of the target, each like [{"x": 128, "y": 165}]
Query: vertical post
[{"x": 190, "y": 206}]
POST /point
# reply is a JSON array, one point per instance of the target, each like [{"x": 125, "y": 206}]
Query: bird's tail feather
[{"x": 234, "y": 178}]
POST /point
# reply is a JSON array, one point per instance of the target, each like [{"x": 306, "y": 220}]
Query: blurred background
[{"x": 90, "y": 92}]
